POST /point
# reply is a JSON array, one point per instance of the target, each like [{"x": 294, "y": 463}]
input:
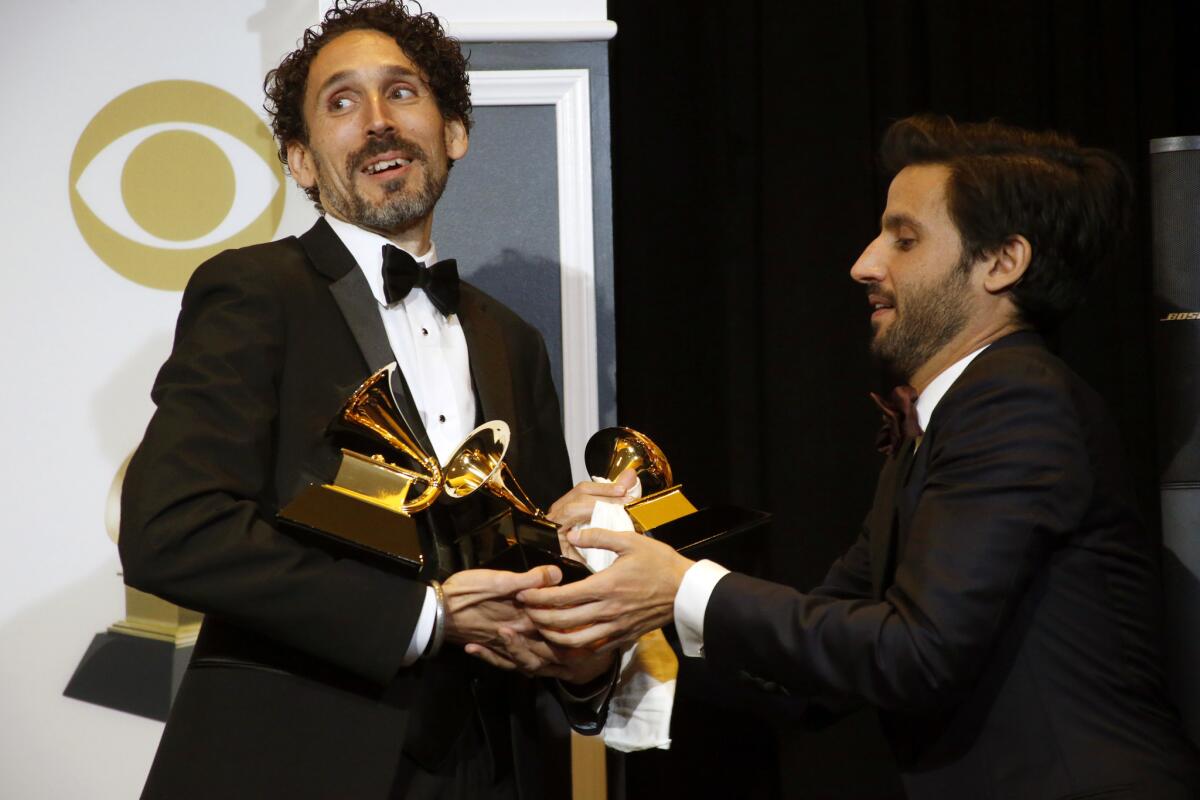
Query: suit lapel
[
  {"x": 903, "y": 478},
  {"x": 490, "y": 368},
  {"x": 353, "y": 296},
  {"x": 882, "y": 520}
]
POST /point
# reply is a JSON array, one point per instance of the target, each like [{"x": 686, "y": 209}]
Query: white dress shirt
[
  {"x": 691, "y": 601},
  {"x": 431, "y": 353}
]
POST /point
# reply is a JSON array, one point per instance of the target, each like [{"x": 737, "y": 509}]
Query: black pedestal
[{"x": 130, "y": 673}]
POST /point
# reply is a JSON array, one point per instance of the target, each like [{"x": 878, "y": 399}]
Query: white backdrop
[{"x": 81, "y": 341}]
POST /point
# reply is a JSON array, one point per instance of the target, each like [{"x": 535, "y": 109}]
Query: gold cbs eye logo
[{"x": 171, "y": 173}]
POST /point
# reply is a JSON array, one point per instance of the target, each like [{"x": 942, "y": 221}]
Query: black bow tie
[
  {"x": 401, "y": 273},
  {"x": 899, "y": 418}
]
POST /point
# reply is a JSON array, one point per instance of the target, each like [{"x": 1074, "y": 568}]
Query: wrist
[
  {"x": 438, "y": 637},
  {"x": 591, "y": 683}
]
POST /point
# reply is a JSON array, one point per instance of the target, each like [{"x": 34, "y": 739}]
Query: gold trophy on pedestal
[
  {"x": 611, "y": 451},
  {"x": 368, "y": 504},
  {"x": 520, "y": 537},
  {"x": 663, "y": 512},
  {"x": 136, "y": 665},
  {"x": 371, "y": 502}
]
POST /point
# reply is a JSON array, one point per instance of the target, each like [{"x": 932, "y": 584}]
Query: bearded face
[
  {"x": 378, "y": 149},
  {"x": 406, "y": 198},
  {"x": 927, "y": 315}
]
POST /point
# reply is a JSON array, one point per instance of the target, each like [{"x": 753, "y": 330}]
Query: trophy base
[
  {"x": 517, "y": 542},
  {"x": 135, "y": 674},
  {"x": 659, "y": 508},
  {"x": 693, "y": 534},
  {"x": 359, "y": 522}
]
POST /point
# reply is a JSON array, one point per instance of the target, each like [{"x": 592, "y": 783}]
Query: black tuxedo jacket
[
  {"x": 295, "y": 687},
  {"x": 1000, "y": 608}
]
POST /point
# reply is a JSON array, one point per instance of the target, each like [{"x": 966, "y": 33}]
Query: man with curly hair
[{"x": 318, "y": 675}]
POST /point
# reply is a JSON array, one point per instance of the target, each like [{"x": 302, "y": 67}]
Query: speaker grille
[{"x": 1175, "y": 210}]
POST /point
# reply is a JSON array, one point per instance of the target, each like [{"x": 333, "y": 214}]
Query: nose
[
  {"x": 869, "y": 267},
  {"x": 377, "y": 121}
]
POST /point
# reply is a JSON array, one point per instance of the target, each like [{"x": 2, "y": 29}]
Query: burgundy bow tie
[
  {"x": 401, "y": 273},
  {"x": 899, "y": 418}
]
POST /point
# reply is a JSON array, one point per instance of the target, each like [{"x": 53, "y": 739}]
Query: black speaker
[{"x": 1175, "y": 217}]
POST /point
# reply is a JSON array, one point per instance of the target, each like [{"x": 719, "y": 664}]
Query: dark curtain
[{"x": 745, "y": 185}]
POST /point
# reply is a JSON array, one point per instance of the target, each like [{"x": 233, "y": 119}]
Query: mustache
[
  {"x": 874, "y": 290},
  {"x": 387, "y": 143}
]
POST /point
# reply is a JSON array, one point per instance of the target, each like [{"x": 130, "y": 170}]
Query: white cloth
[
  {"x": 639, "y": 711},
  {"x": 431, "y": 352},
  {"x": 696, "y": 588}
]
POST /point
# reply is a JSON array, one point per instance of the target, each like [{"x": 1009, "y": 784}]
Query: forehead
[
  {"x": 356, "y": 53},
  {"x": 919, "y": 192}
]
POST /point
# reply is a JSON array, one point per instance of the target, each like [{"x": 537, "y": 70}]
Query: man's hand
[
  {"x": 533, "y": 656},
  {"x": 616, "y": 605},
  {"x": 575, "y": 507},
  {"x": 479, "y": 602}
]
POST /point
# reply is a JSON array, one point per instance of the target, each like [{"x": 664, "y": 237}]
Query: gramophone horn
[
  {"x": 479, "y": 462},
  {"x": 373, "y": 410},
  {"x": 611, "y": 451}
]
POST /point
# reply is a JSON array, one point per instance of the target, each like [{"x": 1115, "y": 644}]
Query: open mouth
[
  {"x": 387, "y": 167},
  {"x": 880, "y": 305}
]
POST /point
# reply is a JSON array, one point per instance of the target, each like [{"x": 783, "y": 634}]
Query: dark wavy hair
[
  {"x": 420, "y": 36},
  {"x": 1072, "y": 203}
]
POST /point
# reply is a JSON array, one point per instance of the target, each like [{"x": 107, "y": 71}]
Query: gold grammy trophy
[
  {"x": 372, "y": 500},
  {"x": 518, "y": 538},
  {"x": 663, "y": 512},
  {"x": 368, "y": 505}
]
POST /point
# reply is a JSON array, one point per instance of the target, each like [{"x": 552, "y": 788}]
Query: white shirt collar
[
  {"x": 367, "y": 248},
  {"x": 937, "y": 388}
]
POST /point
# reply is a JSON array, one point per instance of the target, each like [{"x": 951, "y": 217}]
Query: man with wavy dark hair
[
  {"x": 1001, "y": 606},
  {"x": 438, "y": 58},
  {"x": 320, "y": 674}
]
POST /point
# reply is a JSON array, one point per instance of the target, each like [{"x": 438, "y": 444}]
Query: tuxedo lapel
[
  {"x": 361, "y": 310},
  {"x": 490, "y": 368},
  {"x": 882, "y": 521}
]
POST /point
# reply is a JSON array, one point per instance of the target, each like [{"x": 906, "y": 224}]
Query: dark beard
[
  {"x": 931, "y": 316},
  {"x": 400, "y": 210}
]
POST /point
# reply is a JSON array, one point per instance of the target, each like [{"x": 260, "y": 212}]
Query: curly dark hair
[
  {"x": 1072, "y": 203},
  {"x": 438, "y": 56}
]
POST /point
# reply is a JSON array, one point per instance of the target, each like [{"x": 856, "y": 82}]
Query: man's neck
[
  {"x": 413, "y": 239},
  {"x": 960, "y": 347}
]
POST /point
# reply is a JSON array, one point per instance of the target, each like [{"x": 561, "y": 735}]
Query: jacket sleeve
[
  {"x": 1008, "y": 476},
  {"x": 849, "y": 577},
  {"x": 197, "y": 510}
]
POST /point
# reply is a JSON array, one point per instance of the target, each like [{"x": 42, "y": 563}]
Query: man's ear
[
  {"x": 1007, "y": 264},
  {"x": 456, "y": 139},
  {"x": 300, "y": 164}
]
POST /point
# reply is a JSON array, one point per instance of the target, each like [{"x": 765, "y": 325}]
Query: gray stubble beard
[{"x": 398, "y": 212}]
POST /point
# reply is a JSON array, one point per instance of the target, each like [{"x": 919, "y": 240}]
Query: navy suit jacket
[{"x": 1000, "y": 608}]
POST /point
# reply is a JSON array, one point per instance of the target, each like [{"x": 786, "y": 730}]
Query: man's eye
[
  {"x": 905, "y": 244},
  {"x": 403, "y": 93},
  {"x": 339, "y": 103}
]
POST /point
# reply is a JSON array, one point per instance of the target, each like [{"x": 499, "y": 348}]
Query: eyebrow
[
  {"x": 893, "y": 221},
  {"x": 392, "y": 72}
]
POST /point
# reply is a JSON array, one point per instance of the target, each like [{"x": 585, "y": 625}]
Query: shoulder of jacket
[
  {"x": 1019, "y": 364},
  {"x": 279, "y": 261}
]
